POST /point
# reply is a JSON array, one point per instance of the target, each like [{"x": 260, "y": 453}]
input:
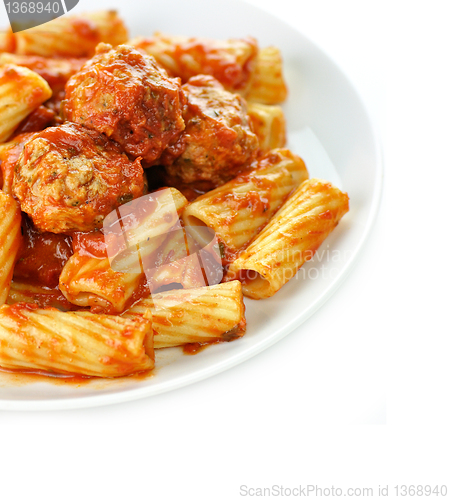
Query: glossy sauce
[
  {"x": 37, "y": 120},
  {"x": 55, "y": 71},
  {"x": 43, "y": 256},
  {"x": 234, "y": 334},
  {"x": 195, "y": 348},
  {"x": 91, "y": 244},
  {"x": 215, "y": 59}
]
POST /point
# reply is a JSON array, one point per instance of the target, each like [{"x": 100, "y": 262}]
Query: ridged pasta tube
[
  {"x": 69, "y": 342},
  {"x": 90, "y": 282},
  {"x": 237, "y": 210},
  {"x": 72, "y": 36},
  {"x": 268, "y": 85},
  {"x": 290, "y": 239},
  {"x": 268, "y": 124},
  {"x": 231, "y": 61},
  {"x": 10, "y": 241},
  {"x": 21, "y": 92},
  {"x": 209, "y": 314},
  {"x": 38, "y": 294}
]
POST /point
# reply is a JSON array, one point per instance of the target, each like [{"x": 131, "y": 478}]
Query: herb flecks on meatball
[
  {"x": 217, "y": 141},
  {"x": 127, "y": 96},
  {"x": 70, "y": 178}
]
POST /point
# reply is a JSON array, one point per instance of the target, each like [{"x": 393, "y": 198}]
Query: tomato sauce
[
  {"x": 42, "y": 257},
  {"x": 234, "y": 334},
  {"x": 86, "y": 29},
  {"x": 54, "y": 70},
  {"x": 216, "y": 59},
  {"x": 37, "y": 120},
  {"x": 91, "y": 244}
]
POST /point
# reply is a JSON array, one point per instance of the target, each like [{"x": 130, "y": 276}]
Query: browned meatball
[
  {"x": 69, "y": 178},
  {"x": 217, "y": 140},
  {"x": 127, "y": 96}
]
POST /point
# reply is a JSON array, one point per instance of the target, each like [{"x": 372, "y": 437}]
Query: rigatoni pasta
[
  {"x": 268, "y": 124},
  {"x": 7, "y": 41},
  {"x": 9, "y": 154},
  {"x": 10, "y": 241},
  {"x": 176, "y": 263},
  {"x": 268, "y": 85},
  {"x": 109, "y": 25},
  {"x": 135, "y": 231},
  {"x": 208, "y": 314},
  {"x": 21, "y": 92},
  {"x": 54, "y": 70},
  {"x": 137, "y": 265},
  {"x": 90, "y": 282},
  {"x": 237, "y": 210},
  {"x": 72, "y": 36},
  {"x": 231, "y": 62},
  {"x": 66, "y": 342},
  {"x": 43, "y": 296},
  {"x": 133, "y": 236},
  {"x": 290, "y": 239}
]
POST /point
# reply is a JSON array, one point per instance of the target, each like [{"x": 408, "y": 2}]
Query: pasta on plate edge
[{"x": 242, "y": 211}]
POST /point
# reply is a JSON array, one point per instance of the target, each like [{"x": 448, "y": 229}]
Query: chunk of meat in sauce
[
  {"x": 70, "y": 178},
  {"x": 127, "y": 96},
  {"x": 218, "y": 140},
  {"x": 42, "y": 257}
]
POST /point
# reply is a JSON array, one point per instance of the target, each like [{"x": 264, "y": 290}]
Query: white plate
[{"x": 322, "y": 98}]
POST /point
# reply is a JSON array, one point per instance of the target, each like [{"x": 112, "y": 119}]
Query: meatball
[
  {"x": 69, "y": 178},
  {"x": 217, "y": 141},
  {"x": 127, "y": 96}
]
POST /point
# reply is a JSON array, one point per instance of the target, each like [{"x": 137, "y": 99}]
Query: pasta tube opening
[{"x": 196, "y": 228}]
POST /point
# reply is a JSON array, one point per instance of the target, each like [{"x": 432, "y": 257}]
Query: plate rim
[{"x": 99, "y": 400}]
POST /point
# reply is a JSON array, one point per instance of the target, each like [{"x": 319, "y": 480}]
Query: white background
[{"x": 376, "y": 415}]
